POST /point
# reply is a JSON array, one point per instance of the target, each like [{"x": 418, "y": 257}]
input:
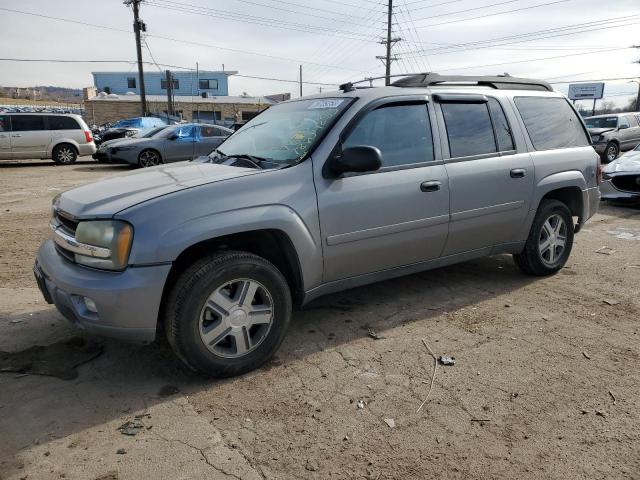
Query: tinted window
[
  {"x": 186, "y": 131},
  {"x": 63, "y": 123},
  {"x": 4, "y": 123},
  {"x": 401, "y": 132},
  {"x": 131, "y": 82},
  {"x": 601, "y": 122},
  {"x": 551, "y": 123},
  {"x": 25, "y": 123},
  {"x": 469, "y": 129},
  {"x": 503, "y": 130}
]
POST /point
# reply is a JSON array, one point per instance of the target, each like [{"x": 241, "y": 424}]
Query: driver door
[
  {"x": 397, "y": 215},
  {"x": 182, "y": 147}
]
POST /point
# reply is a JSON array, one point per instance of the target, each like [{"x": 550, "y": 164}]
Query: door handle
[
  {"x": 16, "y": 135},
  {"x": 518, "y": 173},
  {"x": 430, "y": 186}
]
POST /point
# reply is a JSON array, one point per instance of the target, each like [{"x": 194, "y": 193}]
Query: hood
[
  {"x": 106, "y": 198},
  {"x": 113, "y": 141},
  {"x": 598, "y": 131},
  {"x": 629, "y": 162}
]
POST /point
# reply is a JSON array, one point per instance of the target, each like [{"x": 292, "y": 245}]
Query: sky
[{"x": 334, "y": 40}]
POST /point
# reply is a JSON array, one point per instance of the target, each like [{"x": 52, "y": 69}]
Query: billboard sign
[{"x": 586, "y": 91}]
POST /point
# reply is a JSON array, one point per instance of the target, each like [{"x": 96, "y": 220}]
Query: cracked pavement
[{"x": 545, "y": 383}]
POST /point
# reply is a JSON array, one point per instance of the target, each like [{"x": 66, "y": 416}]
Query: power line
[
  {"x": 186, "y": 42},
  {"x": 505, "y": 2}
]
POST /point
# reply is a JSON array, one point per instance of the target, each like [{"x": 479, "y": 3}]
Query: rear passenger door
[
  {"x": 397, "y": 215},
  {"x": 490, "y": 179},
  {"x": 5, "y": 137},
  {"x": 209, "y": 139},
  {"x": 29, "y": 136}
]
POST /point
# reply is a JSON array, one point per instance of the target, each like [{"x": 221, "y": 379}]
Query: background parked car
[
  {"x": 621, "y": 178},
  {"x": 130, "y": 127},
  {"x": 37, "y": 135},
  {"x": 173, "y": 143},
  {"x": 615, "y": 133}
]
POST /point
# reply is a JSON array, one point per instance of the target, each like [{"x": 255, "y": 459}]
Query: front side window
[
  {"x": 601, "y": 122},
  {"x": 286, "y": 132},
  {"x": 4, "y": 123},
  {"x": 623, "y": 123},
  {"x": 551, "y": 123},
  {"x": 131, "y": 82},
  {"x": 501, "y": 124},
  {"x": 185, "y": 132},
  {"x": 62, "y": 123},
  {"x": 469, "y": 129},
  {"x": 401, "y": 132},
  {"x": 208, "y": 84},
  {"x": 27, "y": 123}
]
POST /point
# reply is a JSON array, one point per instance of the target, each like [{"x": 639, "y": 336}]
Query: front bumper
[
  {"x": 128, "y": 302},
  {"x": 610, "y": 192}
]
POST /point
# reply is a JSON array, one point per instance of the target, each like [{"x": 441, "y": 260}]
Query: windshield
[
  {"x": 602, "y": 122},
  {"x": 151, "y": 133},
  {"x": 285, "y": 132}
]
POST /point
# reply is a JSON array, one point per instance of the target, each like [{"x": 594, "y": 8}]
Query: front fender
[{"x": 181, "y": 236}]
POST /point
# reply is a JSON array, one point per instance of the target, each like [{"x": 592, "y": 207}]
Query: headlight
[
  {"x": 130, "y": 133},
  {"x": 113, "y": 239},
  {"x": 596, "y": 138},
  {"x": 122, "y": 149}
]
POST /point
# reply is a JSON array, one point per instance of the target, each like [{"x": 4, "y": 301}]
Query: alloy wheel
[
  {"x": 65, "y": 155},
  {"x": 612, "y": 153},
  {"x": 236, "y": 318},
  {"x": 149, "y": 159},
  {"x": 553, "y": 239}
]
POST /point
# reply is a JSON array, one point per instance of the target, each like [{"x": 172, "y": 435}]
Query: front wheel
[
  {"x": 611, "y": 152},
  {"x": 550, "y": 240},
  {"x": 228, "y": 314},
  {"x": 149, "y": 158}
]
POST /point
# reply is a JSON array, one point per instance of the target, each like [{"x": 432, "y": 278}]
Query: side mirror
[
  {"x": 623, "y": 127},
  {"x": 357, "y": 159},
  {"x": 174, "y": 136}
]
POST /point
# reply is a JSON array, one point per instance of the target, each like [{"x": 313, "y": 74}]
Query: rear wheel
[
  {"x": 228, "y": 314},
  {"x": 64, "y": 154},
  {"x": 149, "y": 158},
  {"x": 550, "y": 240}
]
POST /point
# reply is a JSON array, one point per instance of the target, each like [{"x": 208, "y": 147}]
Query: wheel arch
[
  {"x": 273, "y": 245},
  {"x": 146, "y": 149},
  {"x": 64, "y": 141}
]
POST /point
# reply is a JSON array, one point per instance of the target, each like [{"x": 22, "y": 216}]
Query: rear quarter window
[{"x": 551, "y": 123}]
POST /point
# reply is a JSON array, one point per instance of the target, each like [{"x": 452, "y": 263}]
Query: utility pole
[
  {"x": 169, "y": 80},
  {"x": 388, "y": 42},
  {"x": 139, "y": 26},
  {"x": 300, "y": 80},
  {"x": 638, "y": 97}
]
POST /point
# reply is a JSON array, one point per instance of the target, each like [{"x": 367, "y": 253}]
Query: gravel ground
[{"x": 545, "y": 383}]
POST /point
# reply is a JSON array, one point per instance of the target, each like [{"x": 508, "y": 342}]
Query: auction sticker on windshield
[{"x": 327, "y": 103}]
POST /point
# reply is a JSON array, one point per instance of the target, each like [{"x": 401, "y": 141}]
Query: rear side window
[
  {"x": 207, "y": 131},
  {"x": 63, "y": 123},
  {"x": 632, "y": 120},
  {"x": 401, "y": 132},
  {"x": 4, "y": 123},
  {"x": 26, "y": 123},
  {"x": 503, "y": 130},
  {"x": 469, "y": 129},
  {"x": 551, "y": 123}
]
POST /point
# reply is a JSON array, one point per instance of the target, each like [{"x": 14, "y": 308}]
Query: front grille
[
  {"x": 67, "y": 223},
  {"x": 627, "y": 183},
  {"x": 65, "y": 253}
]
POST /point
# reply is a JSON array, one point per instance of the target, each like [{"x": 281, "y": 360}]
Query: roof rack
[{"x": 502, "y": 82}]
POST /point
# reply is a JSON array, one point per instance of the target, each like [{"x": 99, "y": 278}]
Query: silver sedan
[
  {"x": 621, "y": 178},
  {"x": 174, "y": 143}
]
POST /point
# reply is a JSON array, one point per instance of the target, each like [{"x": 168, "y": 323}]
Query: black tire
[
  {"x": 611, "y": 152},
  {"x": 530, "y": 260},
  {"x": 186, "y": 304},
  {"x": 149, "y": 158},
  {"x": 64, "y": 154}
]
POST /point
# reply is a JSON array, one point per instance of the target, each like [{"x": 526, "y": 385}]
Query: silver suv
[
  {"x": 61, "y": 137},
  {"x": 318, "y": 195},
  {"x": 615, "y": 133}
]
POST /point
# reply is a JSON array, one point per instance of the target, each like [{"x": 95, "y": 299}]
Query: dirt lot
[{"x": 545, "y": 385}]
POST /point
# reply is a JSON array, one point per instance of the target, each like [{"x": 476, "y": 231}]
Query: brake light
[
  {"x": 599, "y": 172},
  {"x": 87, "y": 136}
]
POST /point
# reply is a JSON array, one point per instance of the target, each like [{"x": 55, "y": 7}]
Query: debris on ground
[
  {"x": 132, "y": 427},
  {"x": 586, "y": 355},
  {"x": 390, "y": 422},
  {"x": 59, "y": 359},
  {"x": 121, "y": 451},
  {"x": 612, "y": 396},
  {"x": 311, "y": 466},
  {"x": 611, "y": 302},
  {"x": 433, "y": 376},
  {"x": 604, "y": 250},
  {"x": 481, "y": 420},
  {"x": 373, "y": 334},
  {"x": 446, "y": 360},
  {"x": 601, "y": 413},
  {"x": 361, "y": 403}
]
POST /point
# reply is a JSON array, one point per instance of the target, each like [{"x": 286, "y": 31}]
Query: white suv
[{"x": 44, "y": 135}]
